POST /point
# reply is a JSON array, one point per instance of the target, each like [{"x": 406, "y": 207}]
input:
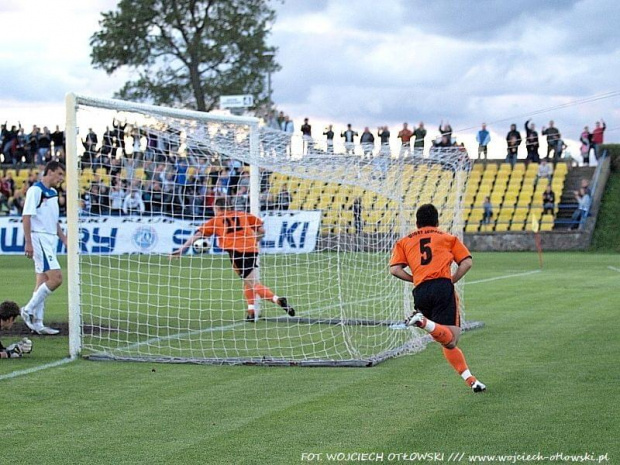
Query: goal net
[{"x": 150, "y": 179}]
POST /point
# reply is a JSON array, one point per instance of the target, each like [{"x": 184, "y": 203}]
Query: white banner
[{"x": 286, "y": 232}]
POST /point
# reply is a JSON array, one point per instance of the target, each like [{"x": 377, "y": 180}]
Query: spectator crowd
[{"x": 138, "y": 170}]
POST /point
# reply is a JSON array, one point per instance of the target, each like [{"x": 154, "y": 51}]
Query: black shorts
[
  {"x": 437, "y": 301},
  {"x": 243, "y": 262}
]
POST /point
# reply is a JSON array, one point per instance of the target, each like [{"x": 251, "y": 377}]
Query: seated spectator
[
  {"x": 6, "y": 192},
  {"x": 488, "y": 211},
  {"x": 133, "y": 203},
  {"x": 154, "y": 201},
  {"x": 545, "y": 170},
  {"x": 284, "y": 199},
  {"x": 548, "y": 199},
  {"x": 585, "y": 184},
  {"x": 16, "y": 204},
  {"x": 584, "y": 201},
  {"x": 117, "y": 197},
  {"x": 98, "y": 204},
  {"x": 241, "y": 201}
]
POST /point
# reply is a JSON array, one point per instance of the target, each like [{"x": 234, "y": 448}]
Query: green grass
[{"x": 548, "y": 354}]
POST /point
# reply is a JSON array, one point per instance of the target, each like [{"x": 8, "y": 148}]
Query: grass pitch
[{"x": 548, "y": 354}]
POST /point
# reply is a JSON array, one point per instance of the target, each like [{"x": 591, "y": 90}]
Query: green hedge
[{"x": 607, "y": 234}]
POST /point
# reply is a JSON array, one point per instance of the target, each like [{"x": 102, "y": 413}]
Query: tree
[{"x": 187, "y": 53}]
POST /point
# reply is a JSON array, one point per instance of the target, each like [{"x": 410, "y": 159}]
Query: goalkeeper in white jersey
[
  {"x": 41, "y": 233},
  {"x": 8, "y": 312}
]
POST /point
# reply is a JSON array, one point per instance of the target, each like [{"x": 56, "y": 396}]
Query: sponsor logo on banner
[{"x": 145, "y": 238}]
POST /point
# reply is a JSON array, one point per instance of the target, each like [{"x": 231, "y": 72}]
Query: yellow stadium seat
[{"x": 516, "y": 225}]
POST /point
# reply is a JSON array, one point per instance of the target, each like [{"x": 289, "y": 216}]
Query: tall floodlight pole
[{"x": 269, "y": 55}]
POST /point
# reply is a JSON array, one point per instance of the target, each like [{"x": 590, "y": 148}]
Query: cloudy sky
[{"x": 368, "y": 63}]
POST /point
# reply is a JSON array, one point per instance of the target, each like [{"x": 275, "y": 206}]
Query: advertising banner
[{"x": 286, "y": 232}]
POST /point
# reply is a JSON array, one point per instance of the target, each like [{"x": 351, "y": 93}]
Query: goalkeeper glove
[{"x": 17, "y": 349}]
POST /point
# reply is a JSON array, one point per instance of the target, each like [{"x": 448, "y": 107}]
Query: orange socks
[
  {"x": 442, "y": 334},
  {"x": 263, "y": 292},
  {"x": 456, "y": 358}
]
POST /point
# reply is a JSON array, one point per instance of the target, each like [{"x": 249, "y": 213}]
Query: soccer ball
[{"x": 201, "y": 246}]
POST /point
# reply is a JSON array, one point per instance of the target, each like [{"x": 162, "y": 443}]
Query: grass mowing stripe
[{"x": 15, "y": 374}]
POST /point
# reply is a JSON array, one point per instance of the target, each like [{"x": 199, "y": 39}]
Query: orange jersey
[
  {"x": 234, "y": 230},
  {"x": 429, "y": 253}
]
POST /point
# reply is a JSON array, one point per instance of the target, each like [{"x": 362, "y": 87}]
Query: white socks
[
  {"x": 429, "y": 325},
  {"x": 36, "y": 305}
]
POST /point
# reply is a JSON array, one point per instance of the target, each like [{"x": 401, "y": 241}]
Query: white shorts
[{"x": 44, "y": 246}]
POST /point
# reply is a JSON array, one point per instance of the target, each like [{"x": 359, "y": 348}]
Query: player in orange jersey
[
  {"x": 429, "y": 253},
  {"x": 239, "y": 234}
]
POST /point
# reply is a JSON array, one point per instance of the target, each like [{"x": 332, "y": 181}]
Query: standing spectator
[
  {"x": 586, "y": 139},
  {"x": 487, "y": 213},
  {"x": 584, "y": 201},
  {"x": 531, "y": 143},
  {"x": 32, "y": 145},
  {"x": 107, "y": 151},
  {"x": 513, "y": 139},
  {"x": 9, "y": 143},
  {"x": 133, "y": 203},
  {"x": 597, "y": 137},
  {"x": 548, "y": 199},
  {"x": 405, "y": 135},
  {"x": 136, "y": 144},
  {"x": 272, "y": 122},
  {"x": 349, "y": 140},
  {"x": 446, "y": 134},
  {"x": 384, "y": 135},
  {"x": 41, "y": 233},
  {"x": 418, "y": 142},
  {"x": 329, "y": 135},
  {"x": 545, "y": 170},
  {"x": 306, "y": 131},
  {"x": 289, "y": 128},
  {"x": 560, "y": 146},
  {"x": 367, "y": 140},
  {"x": 119, "y": 134},
  {"x": 483, "y": 138},
  {"x": 553, "y": 134},
  {"x": 287, "y": 125},
  {"x": 44, "y": 145},
  {"x": 58, "y": 139}
]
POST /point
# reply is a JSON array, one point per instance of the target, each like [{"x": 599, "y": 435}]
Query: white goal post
[{"x": 331, "y": 220}]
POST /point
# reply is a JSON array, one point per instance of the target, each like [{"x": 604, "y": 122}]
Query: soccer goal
[{"x": 149, "y": 181}]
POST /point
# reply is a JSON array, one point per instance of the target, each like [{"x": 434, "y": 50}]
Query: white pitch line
[
  {"x": 614, "y": 268},
  {"x": 28, "y": 371},
  {"x": 487, "y": 280}
]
